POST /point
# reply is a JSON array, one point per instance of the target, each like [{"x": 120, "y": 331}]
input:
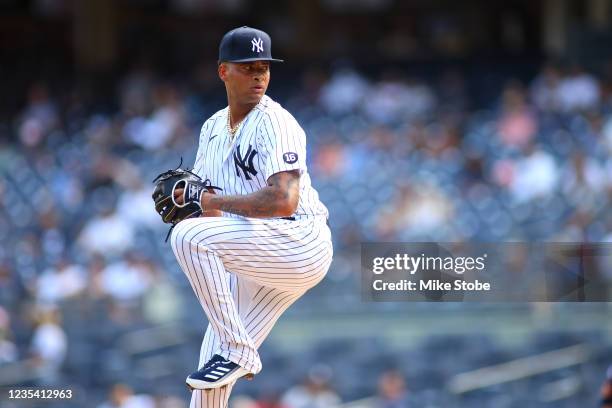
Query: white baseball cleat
[{"x": 217, "y": 373}]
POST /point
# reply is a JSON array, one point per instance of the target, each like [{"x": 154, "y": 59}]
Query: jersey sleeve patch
[{"x": 290, "y": 157}]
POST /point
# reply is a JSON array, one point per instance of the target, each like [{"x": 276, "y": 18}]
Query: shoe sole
[{"x": 206, "y": 386}]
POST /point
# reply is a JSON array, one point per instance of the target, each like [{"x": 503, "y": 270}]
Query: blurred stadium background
[{"x": 432, "y": 120}]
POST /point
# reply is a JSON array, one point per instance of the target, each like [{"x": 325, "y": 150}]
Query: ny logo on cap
[{"x": 257, "y": 44}]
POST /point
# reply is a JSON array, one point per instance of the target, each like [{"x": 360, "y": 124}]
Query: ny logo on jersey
[
  {"x": 245, "y": 163},
  {"x": 257, "y": 44}
]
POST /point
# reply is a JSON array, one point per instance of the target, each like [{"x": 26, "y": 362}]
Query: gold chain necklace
[{"x": 232, "y": 130}]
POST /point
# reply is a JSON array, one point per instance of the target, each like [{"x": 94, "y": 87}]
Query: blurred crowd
[
  {"x": 394, "y": 156},
  {"x": 534, "y": 165}
]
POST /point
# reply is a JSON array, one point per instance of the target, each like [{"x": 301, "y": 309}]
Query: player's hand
[{"x": 178, "y": 196}]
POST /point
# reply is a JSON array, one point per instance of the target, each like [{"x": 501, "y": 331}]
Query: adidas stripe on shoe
[{"x": 216, "y": 373}]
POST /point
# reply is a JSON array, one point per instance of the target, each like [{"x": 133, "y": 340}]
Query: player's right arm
[{"x": 198, "y": 166}]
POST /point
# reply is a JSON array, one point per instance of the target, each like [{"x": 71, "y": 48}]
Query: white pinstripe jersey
[{"x": 268, "y": 141}]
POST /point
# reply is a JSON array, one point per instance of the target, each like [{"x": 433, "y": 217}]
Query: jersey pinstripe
[{"x": 268, "y": 141}]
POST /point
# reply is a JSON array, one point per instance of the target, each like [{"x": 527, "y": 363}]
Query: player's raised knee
[
  {"x": 180, "y": 234},
  {"x": 199, "y": 232}
]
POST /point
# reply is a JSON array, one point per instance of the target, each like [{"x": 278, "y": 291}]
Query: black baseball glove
[{"x": 193, "y": 187}]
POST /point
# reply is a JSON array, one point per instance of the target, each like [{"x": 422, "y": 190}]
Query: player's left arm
[
  {"x": 281, "y": 143},
  {"x": 278, "y": 199},
  {"x": 282, "y": 146}
]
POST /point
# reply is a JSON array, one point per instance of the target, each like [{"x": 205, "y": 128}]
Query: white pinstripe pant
[{"x": 246, "y": 272}]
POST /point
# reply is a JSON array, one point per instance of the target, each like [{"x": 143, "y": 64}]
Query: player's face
[{"x": 246, "y": 81}]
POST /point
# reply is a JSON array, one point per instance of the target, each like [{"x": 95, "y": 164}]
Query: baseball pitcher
[{"x": 248, "y": 230}]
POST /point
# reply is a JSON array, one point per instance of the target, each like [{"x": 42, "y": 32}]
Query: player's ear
[{"x": 222, "y": 71}]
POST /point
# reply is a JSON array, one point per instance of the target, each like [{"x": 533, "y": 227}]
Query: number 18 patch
[{"x": 290, "y": 157}]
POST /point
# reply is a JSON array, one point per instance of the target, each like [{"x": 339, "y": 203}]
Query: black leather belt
[{"x": 293, "y": 219}]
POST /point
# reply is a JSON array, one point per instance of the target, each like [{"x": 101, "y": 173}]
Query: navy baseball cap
[{"x": 246, "y": 44}]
